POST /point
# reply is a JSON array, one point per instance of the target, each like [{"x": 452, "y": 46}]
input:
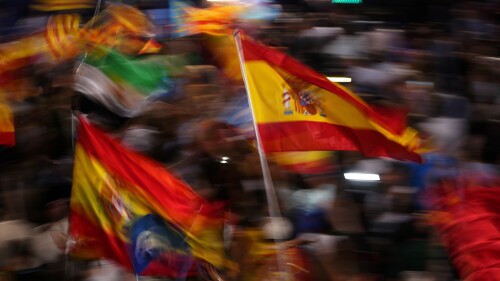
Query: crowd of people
[{"x": 445, "y": 74}]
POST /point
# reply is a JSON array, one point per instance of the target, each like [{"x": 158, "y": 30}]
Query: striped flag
[
  {"x": 62, "y": 5},
  {"x": 95, "y": 85},
  {"x": 298, "y": 109},
  {"x": 62, "y": 36},
  {"x": 144, "y": 75},
  {"x": 128, "y": 208}
]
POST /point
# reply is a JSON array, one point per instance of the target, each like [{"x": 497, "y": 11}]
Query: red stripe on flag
[
  {"x": 7, "y": 138},
  {"x": 309, "y": 168},
  {"x": 304, "y": 136}
]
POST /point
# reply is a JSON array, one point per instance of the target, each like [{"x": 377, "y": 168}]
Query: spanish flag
[
  {"x": 298, "y": 109},
  {"x": 130, "y": 209},
  {"x": 7, "y": 135}
]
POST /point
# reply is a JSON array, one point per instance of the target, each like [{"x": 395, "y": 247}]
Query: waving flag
[
  {"x": 62, "y": 36},
  {"x": 215, "y": 20},
  {"x": 468, "y": 227},
  {"x": 95, "y": 85},
  {"x": 128, "y": 208},
  {"x": 7, "y": 135},
  {"x": 298, "y": 109},
  {"x": 145, "y": 76}
]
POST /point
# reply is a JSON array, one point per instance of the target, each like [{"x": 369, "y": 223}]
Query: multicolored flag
[
  {"x": 144, "y": 75},
  {"x": 214, "y": 20},
  {"x": 95, "y": 85},
  {"x": 7, "y": 135},
  {"x": 130, "y": 209},
  {"x": 298, "y": 109}
]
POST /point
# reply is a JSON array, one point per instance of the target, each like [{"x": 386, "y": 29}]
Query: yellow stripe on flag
[{"x": 6, "y": 119}]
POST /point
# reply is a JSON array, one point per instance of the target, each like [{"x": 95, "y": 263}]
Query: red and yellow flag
[
  {"x": 62, "y": 5},
  {"x": 215, "y": 20},
  {"x": 128, "y": 208},
  {"x": 298, "y": 109},
  {"x": 7, "y": 135}
]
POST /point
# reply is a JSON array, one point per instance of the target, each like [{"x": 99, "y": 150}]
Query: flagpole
[{"x": 272, "y": 199}]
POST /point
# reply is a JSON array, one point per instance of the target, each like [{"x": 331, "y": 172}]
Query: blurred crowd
[{"x": 445, "y": 72}]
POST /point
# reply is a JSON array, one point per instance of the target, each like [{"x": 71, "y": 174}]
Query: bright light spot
[
  {"x": 340, "y": 79},
  {"x": 223, "y": 0},
  {"x": 225, "y": 158},
  {"x": 347, "y": 1},
  {"x": 223, "y": 161},
  {"x": 361, "y": 177}
]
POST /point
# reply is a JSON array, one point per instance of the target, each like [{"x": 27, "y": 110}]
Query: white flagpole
[{"x": 272, "y": 200}]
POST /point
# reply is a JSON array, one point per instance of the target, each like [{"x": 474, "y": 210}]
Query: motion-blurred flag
[
  {"x": 128, "y": 208},
  {"x": 119, "y": 26},
  {"x": 215, "y": 20},
  {"x": 151, "y": 47},
  {"x": 96, "y": 86},
  {"x": 122, "y": 84},
  {"x": 219, "y": 19},
  {"x": 144, "y": 75},
  {"x": 62, "y": 5},
  {"x": 298, "y": 109},
  {"x": 62, "y": 35},
  {"x": 7, "y": 135},
  {"x": 305, "y": 162},
  {"x": 468, "y": 228}
]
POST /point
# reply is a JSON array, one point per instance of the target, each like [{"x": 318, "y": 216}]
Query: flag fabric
[
  {"x": 21, "y": 53},
  {"x": 143, "y": 75},
  {"x": 62, "y": 5},
  {"x": 62, "y": 36},
  {"x": 298, "y": 109},
  {"x": 119, "y": 26},
  {"x": 99, "y": 88},
  {"x": 223, "y": 50},
  {"x": 305, "y": 162},
  {"x": 219, "y": 19},
  {"x": 150, "y": 47},
  {"x": 214, "y": 20},
  {"x": 7, "y": 135},
  {"x": 125, "y": 85},
  {"x": 237, "y": 113},
  {"x": 130, "y": 209},
  {"x": 468, "y": 227}
]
